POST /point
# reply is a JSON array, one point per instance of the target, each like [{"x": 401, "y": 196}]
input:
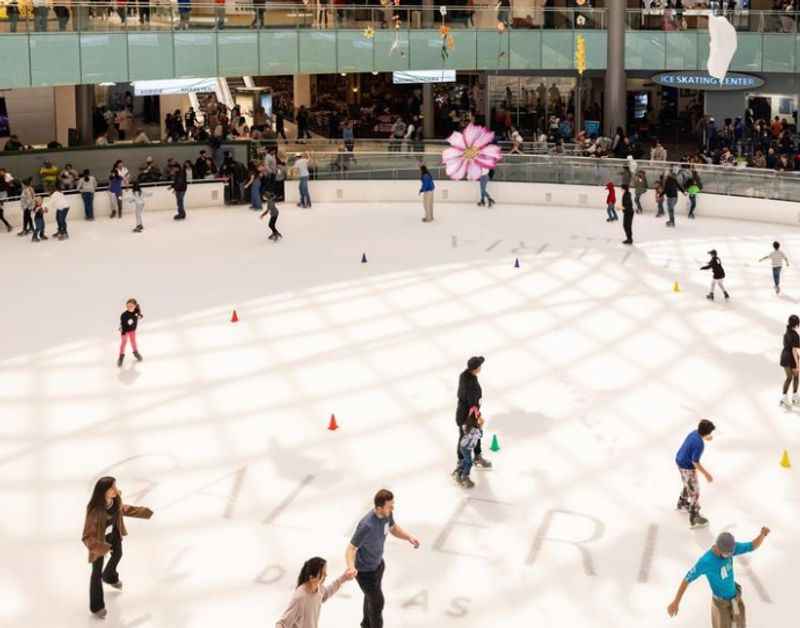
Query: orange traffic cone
[
  {"x": 235, "y": 317},
  {"x": 333, "y": 425}
]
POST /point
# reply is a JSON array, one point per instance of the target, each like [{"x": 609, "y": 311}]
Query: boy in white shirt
[
  {"x": 60, "y": 205},
  {"x": 778, "y": 258}
]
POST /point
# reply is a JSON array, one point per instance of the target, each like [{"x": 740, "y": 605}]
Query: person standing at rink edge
[
  {"x": 727, "y": 606},
  {"x": 364, "y": 555}
]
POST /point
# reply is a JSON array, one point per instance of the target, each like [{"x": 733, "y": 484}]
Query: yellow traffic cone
[
  {"x": 785, "y": 460},
  {"x": 676, "y": 287}
]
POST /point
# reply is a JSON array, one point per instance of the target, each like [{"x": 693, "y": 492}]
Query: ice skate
[
  {"x": 138, "y": 229},
  {"x": 24, "y": 232},
  {"x": 113, "y": 215},
  {"x": 785, "y": 402},
  {"x": 727, "y": 296},
  {"x": 670, "y": 223},
  {"x": 138, "y": 356},
  {"x": 796, "y": 399},
  {"x": 482, "y": 462},
  {"x": 117, "y": 585},
  {"x": 466, "y": 483},
  {"x": 491, "y": 202},
  {"x": 120, "y": 359},
  {"x": 710, "y": 296},
  {"x": 101, "y": 614},
  {"x": 697, "y": 521},
  {"x": 682, "y": 505},
  {"x": 481, "y": 204}
]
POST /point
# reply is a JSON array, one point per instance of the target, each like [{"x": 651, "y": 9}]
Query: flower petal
[
  {"x": 485, "y": 162},
  {"x": 492, "y": 151},
  {"x": 472, "y": 133},
  {"x": 457, "y": 140},
  {"x": 486, "y": 138},
  {"x": 456, "y": 169},
  {"x": 473, "y": 171},
  {"x": 452, "y": 153}
]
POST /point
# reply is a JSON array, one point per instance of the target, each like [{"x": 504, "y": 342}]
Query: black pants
[
  {"x": 458, "y": 445},
  {"x": 272, "y": 221},
  {"x": 27, "y": 221},
  {"x": 3, "y": 220},
  {"x": 370, "y": 583},
  {"x": 61, "y": 220},
  {"x": 109, "y": 574},
  {"x": 627, "y": 224}
]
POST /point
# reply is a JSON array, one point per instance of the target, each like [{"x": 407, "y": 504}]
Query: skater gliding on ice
[
  {"x": 777, "y": 257},
  {"x": 688, "y": 461},
  {"x": 790, "y": 361},
  {"x": 727, "y": 606},
  {"x": 473, "y": 431},
  {"x": 718, "y": 274},
  {"x": 469, "y": 397},
  {"x": 272, "y": 210},
  {"x": 128, "y": 322},
  {"x": 106, "y": 510},
  {"x": 307, "y": 599}
]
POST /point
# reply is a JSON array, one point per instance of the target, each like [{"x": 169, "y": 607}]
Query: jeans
[
  {"x": 465, "y": 463},
  {"x": 305, "y": 198},
  {"x": 88, "y": 204},
  {"x": 3, "y": 219},
  {"x": 692, "y": 203},
  {"x": 38, "y": 228},
  {"x": 370, "y": 583},
  {"x": 776, "y": 275},
  {"x": 62, "y": 21},
  {"x": 637, "y": 198},
  {"x": 660, "y": 205},
  {"x": 179, "y": 194},
  {"x": 109, "y": 574},
  {"x": 476, "y": 453},
  {"x": 255, "y": 194},
  {"x": 12, "y": 22},
  {"x": 612, "y": 212},
  {"x": 61, "y": 219},
  {"x": 671, "y": 202},
  {"x": 484, "y": 181},
  {"x": 40, "y": 15}
]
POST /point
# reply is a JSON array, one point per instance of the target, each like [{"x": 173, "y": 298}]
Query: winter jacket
[
  {"x": 716, "y": 267},
  {"x": 671, "y": 187},
  {"x": 94, "y": 528},
  {"x": 469, "y": 395},
  {"x": 612, "y": 195},
  {"x": 640, "y": 183}
]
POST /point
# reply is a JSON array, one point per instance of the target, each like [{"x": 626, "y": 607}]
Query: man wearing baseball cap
[
  {"x": 727, "y": 607},
  {"x": 469, "y": 396}
]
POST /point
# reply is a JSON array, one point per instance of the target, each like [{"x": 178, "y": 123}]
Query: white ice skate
[
  {"x": 796, "y": 399},
  {"x": 785, "y": 402}
]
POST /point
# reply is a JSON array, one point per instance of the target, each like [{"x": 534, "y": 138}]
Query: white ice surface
[{"x": 595, "y": 372}]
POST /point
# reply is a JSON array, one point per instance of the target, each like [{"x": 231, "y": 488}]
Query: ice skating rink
[{"x": 595, "y": 371}]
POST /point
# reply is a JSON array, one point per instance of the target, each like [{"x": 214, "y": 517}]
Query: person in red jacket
[{"x": 611, "y": 200}]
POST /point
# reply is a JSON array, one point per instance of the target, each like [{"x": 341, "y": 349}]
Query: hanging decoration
[
  {"x": 580, "y": 54},
  {"x": 448, "y": 41},
  {"x": 396, "y": 43},
  {"x": 721, "y": 47},
  {"x": 369, "y": 32},
  {"x": 471, "y": 153}
]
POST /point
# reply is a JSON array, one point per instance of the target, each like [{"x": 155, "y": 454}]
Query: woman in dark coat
[{"x": 469, "y": 397}]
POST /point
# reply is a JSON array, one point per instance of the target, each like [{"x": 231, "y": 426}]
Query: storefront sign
[{"x": 702, "y": 80}]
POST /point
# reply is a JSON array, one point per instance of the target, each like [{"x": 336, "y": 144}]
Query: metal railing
[
  {"x": 754, "y": 183},
  {"x": 143, "y": 15},
  {"x": 672, "y": 20}
]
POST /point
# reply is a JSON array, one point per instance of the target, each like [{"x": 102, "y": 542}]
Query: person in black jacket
[
  {"x": 671, "y": 187},
  {"x": 627, "y": 214},
  {"x": 179, "y": 187},
  {"x": 128, "y": 322},
  {"x": 718, "y": 273},
  {"x": 469, "y": 397}
]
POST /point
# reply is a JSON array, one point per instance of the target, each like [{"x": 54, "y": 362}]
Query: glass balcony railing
[
  {"x": 144, "y": 15},
  {"x": 674, "y": 20}
]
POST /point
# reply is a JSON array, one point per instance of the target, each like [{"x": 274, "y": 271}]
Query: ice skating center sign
[{"x": 733, "y": 81}]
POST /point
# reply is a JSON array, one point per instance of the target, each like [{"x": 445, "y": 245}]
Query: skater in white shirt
[{"x": 778, "y": 258}]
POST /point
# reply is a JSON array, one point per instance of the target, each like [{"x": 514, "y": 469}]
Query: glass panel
[
  {"x": 278, "y": 50},
  {"x": 150, "y": 56},
  {"x": 595, "y": 49},
  {"x": 317, "y": 52},
  {"x": 391, "y": 50},
  {"x": 354, "y": 51},
  {"x": 104, "y": 57},
  {"x": 493, "y": 50},
  {"x": 748, "y": 52},
  {"x": 55, "y": 59},
  {"x": 525, "y": 50},
  {"x": 17, "y": 74},
  {"x": 644, "y": 51},
  {"x": 238, "y": 53},
  {"x": 682, "y": 51},
  {"x": 558, "y": 50},
  {"x": 195, "y": 55},
  {"x": 779, "y": 53}
]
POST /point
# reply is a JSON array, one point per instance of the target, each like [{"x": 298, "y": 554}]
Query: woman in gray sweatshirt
[
  {"x": 307, "y": 599},
  {"x": 26, "y": 202}
]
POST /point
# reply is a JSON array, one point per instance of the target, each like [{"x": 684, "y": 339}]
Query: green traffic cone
[{"x": 495, "y": 446}]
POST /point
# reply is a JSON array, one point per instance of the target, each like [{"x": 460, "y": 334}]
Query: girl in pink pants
[{"x": 128, "y": 322}]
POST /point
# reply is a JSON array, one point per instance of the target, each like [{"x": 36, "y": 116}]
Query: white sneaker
[{"x": 785, "y": 401}]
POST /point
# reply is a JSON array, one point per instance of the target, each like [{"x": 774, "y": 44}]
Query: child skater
[
  {"x": 718, "y": 275},
  {"x": 659, "y": 198},
  {"x": 128, "y": 322},
  {"x": 473, "y": 431},
  {"x": 273, "y": 212},
  {"x": 693, "y": 190},
  {"x": 307, "y": 599},
  {"x": 27, "y": 203},
  {"x": 611, "y": 200},
  {"x": 39, "y": 210},
  {"x": 778, "y": 257},
  {"x": 137, "y": 200}
]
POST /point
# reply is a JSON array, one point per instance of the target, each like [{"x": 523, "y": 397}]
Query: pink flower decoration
[{"x": 471, "y": 153}]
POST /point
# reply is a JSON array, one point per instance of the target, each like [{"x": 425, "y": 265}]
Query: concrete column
[
  {"x": 84, "y": 108},
  {"x": 614, "y": 96},
  {"x": 302, "y": 90},
  {"x": 64, "y": 99},
  {"x": 428, "y": 127}
]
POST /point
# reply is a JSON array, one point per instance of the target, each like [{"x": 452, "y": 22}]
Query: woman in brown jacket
[{"x": 106, "y": 510}]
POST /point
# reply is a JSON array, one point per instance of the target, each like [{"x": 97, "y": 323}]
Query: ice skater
[
  {"x": 688, "y": 461},
  {"x": 627, "y": 215},
  {"x": 3, "y": 218},
  {"x": 27, "y": 201},
  {"x": 777, "y": 257},
  {"x": 484, "y": 182},
  {"x": 692, "y": 191},
  {"x": 727, "y": 607},
  {"x": 469, "y": 397},
  {"x": 272, "y": 210},
  {"x": 640, "y": 187},
  {"x": 473, "y": 431},
  {"x": 39, "y": 210},
  {"x": 364, "y": 555},
  {"x": 659, "y": 199},
  {"x": 136, "y": 199},
  {"x": 718, "y": 274},
  {"x": 106, "y": 510},
  {"x": 128, "y": 322},
  {"x": 307, "y": 599},
  {"x": 115, "y": 184},
  {"x": 611, "y": 201},
  {"x": 60, "y": 206},
  {"x": 790, "y": 361},
  {"x": 426, "y": 188}
]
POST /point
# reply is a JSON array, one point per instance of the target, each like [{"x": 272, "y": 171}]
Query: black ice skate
[
  {"x": 710, "y": 296},
  {"x": 120, "y": 359},
  {"x": 138, "y": 356},
  {"x": 697, "y": 521},
  {"x": 727, "y": 296},
  {"x": 482, "y": 462},
  {"x": 466, "y": 483}
]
